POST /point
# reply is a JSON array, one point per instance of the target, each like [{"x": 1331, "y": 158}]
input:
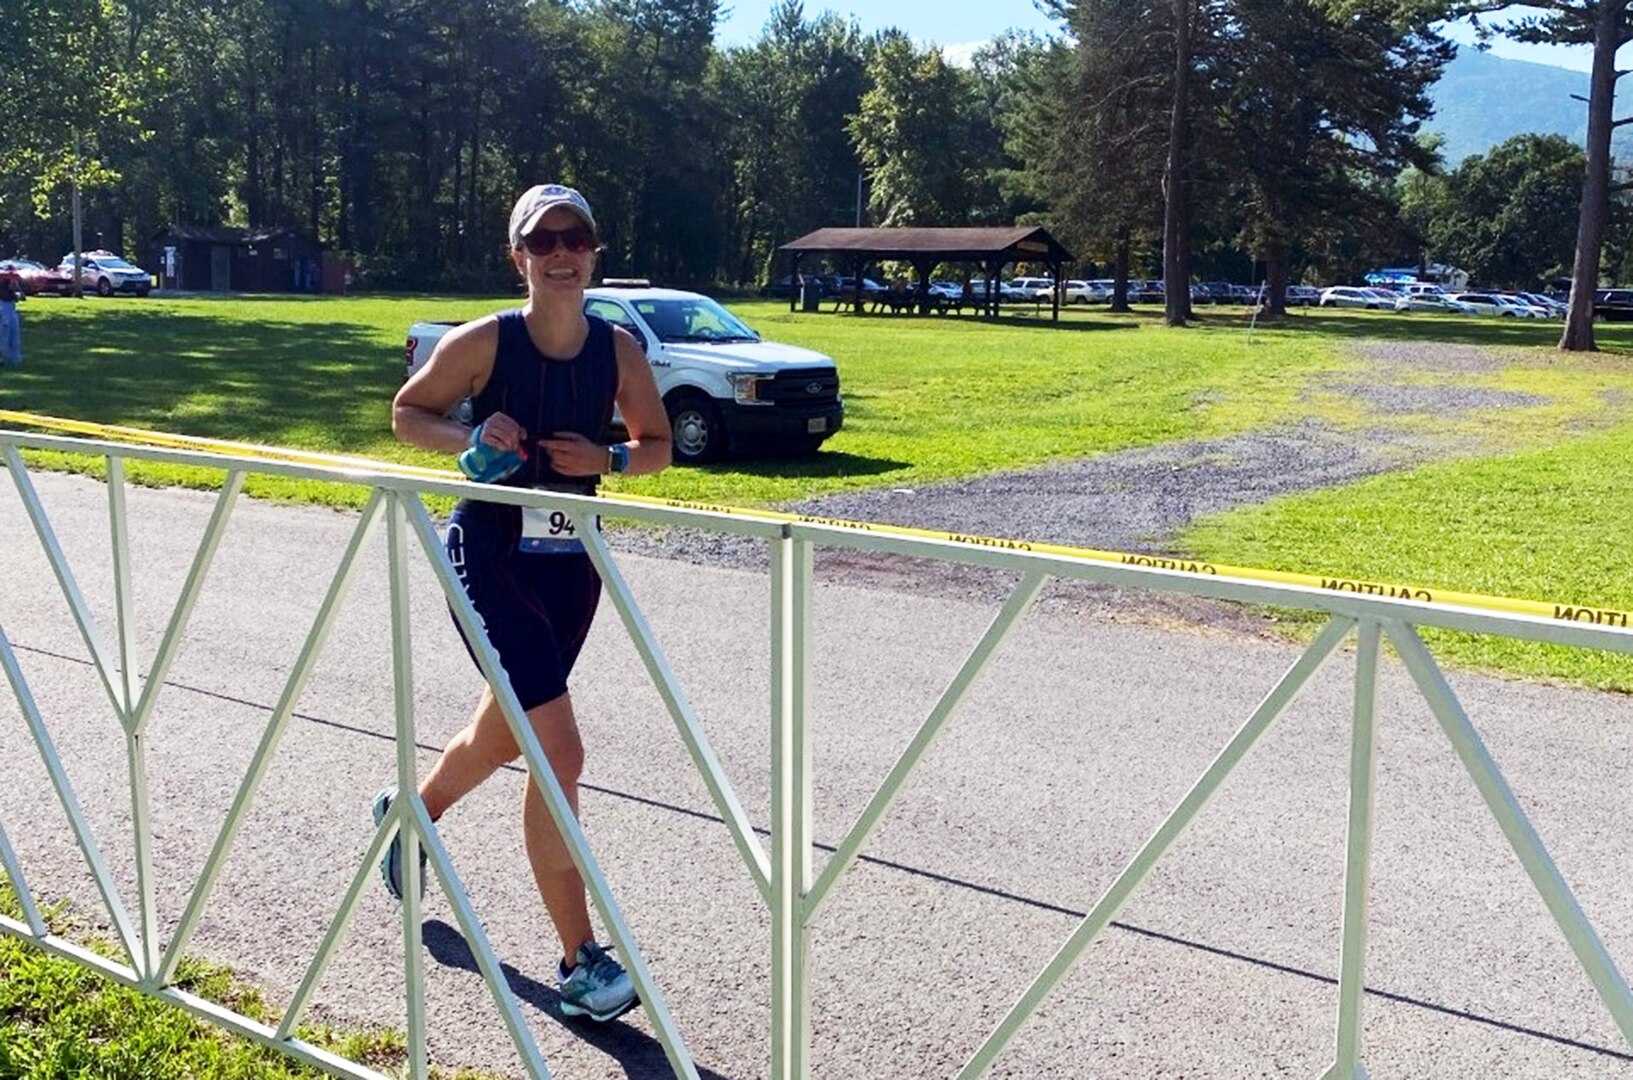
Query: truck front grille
[{"x": 806, "y": 386}]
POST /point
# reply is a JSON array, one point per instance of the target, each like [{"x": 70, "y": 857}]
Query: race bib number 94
[{"x": 548, "y": 532}]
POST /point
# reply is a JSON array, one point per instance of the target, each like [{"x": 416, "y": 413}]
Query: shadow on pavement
[{"x": 639, "y": 1054}]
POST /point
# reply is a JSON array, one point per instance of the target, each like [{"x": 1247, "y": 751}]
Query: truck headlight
[{"x": 745, "y": 387}]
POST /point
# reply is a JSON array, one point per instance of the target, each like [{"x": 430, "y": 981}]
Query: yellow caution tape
[{"x": 1561, "y": 612}]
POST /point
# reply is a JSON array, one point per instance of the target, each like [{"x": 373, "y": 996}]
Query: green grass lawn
[
  {"x": 937, "y": 398},
  {"x": 60, "y": 1021},
  {"x": 1545, "y": 524},
  {"x": 926, "y": 399}
]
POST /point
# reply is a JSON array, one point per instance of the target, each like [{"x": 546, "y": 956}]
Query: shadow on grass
[
  {"x": 322, "y": 384},
  {"x": 639, "y": 1054},
  {"x": 1027, "y": 321},
  {"x": 770, "y": 460}
]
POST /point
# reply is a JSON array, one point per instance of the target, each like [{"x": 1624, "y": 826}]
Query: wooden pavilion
[{"x": 990, "y": 248}]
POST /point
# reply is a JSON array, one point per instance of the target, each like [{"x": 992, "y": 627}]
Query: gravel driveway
[{"x": 1141, "y": 499}]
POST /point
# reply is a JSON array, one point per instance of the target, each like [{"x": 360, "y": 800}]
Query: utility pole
[
  {"x": 858, "y": 200},
  {"x": 79, "y": 289}
]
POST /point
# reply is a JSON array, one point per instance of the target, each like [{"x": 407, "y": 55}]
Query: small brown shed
[{"x": 220, "y": 259}]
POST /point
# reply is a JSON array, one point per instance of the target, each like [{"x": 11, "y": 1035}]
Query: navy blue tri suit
[{"x": 531, "y": 581}]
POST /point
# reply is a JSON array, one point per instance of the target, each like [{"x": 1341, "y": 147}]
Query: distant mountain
[{"x": 1483, "y": 99}]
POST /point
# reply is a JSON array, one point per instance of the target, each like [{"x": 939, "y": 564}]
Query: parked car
[
  {"x": 1613, "y": 305},
  {"x": 1428, "y": 301},
  {"x": 1031, "y": 288},
  {"x": 953, "y": 294},
  {"x": 1074, "y": 292},
  {"x": 1006, "y": 292},
  {"x": 1496, "y": 304},
  {"x": 1148, "y": 292},
  {"x": 1353, "y": 296},
  {"x": 107, "y": 273},
  {"x": 1303, "y": 296},
  {"x": 846, "y": 286},
  {"x": 1556, "y": 308},
  {"x": 37, "y": 279},
  {"x": 721, "y": 383}
]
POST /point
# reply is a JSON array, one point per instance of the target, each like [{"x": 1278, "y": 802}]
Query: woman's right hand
[{"x": 502, "y": 432}]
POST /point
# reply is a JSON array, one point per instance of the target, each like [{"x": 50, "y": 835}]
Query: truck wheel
[
  {"x": 699, "y": 434},
  {"x": 104, "y": 287}
]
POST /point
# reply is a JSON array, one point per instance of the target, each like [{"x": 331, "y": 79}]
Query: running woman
[{"x": 542, "y": 381}]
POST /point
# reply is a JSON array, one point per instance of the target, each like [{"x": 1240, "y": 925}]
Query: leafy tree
[
  {"x": 915, "y": 135},
  {"x": 1091, "y": 132},
  {"x": 1505, "y": 216},
  {"x": 1319, "y": 101},
  {"x": 1607, "y": 25},
  {"x": 70, "y": 90},
  {"x": 653, "y": 56},
  {"x": 1176, "y": 177},
  {"x": 785, "y": 148}
]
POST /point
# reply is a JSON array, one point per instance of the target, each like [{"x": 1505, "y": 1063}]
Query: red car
[{"x": 36, "y": 279}]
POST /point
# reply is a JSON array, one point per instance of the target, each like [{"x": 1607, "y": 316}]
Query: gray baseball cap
[{"x": 539, "y": 199}]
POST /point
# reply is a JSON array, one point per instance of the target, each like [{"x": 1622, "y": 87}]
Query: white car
[
  {"x": 107, "y": 273},
  {"x": 1499, "y": 306},
  {"x": 1428, "y": 301},
  {"x": 1353, "y": 296},
  {"x": 1030, "y": 288},
  {"x": 1075, "y": 292},
  {"x": 721, "y": 383},
  {"x": 1005, "y": 291}
]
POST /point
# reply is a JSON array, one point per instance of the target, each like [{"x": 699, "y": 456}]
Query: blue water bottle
[{"x": 488, "y": 464}]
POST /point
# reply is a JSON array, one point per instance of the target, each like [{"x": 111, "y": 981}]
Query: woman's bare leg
[{"x": 480, "y": 749}]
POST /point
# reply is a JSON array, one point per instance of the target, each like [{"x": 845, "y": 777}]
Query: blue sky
[
  {"x": 943, "y": 22},
  {"x": 961, "y": 25}
]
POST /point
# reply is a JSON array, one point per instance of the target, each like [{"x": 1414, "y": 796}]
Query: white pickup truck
[{"x": 722, "y": 384}]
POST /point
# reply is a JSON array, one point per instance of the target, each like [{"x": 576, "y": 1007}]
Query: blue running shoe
[
  {"x": 391, "y": 867},
  {"x": 598, "y": 987}
]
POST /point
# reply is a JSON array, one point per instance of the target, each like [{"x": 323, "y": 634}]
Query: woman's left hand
[{"x": 571, "y": 454}]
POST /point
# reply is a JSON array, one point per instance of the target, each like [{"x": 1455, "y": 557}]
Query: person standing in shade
[
  {"x": 11, "y": 326},
  {"x": 542, "y": 381}
]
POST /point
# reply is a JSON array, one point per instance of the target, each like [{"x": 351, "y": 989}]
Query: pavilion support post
[
  {"x": 1055, "y": 268},
  {"x": 856, "y": 284},
  {"x": 794, "y": 287},
  {"x": 922, "y": 270}
]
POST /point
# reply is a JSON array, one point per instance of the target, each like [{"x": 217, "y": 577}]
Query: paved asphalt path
[{"x": 1061, "y": 763}]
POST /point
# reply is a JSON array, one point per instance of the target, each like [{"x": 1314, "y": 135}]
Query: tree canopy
[{"x": 398, "y": 132}]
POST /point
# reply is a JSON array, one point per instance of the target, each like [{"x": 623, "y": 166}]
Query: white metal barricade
[{"x": 787, "y": 880}]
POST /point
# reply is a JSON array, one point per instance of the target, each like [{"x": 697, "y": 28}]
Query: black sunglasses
[{"x": 577, "y": 239}]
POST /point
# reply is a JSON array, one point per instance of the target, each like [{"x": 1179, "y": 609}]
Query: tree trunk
[
  {"x": 1176, "y": 278},
  {"x": 1119, "y": 275},
  {"x": 315, "y": 168},
  {"x": 1274, "y": 301},
  {"x": 1590, "y": 228}
]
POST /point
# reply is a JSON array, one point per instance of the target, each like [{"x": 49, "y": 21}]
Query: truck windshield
[{"x": 693, "y": 319}]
